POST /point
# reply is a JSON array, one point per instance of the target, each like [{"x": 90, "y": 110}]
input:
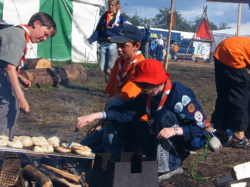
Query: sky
[{"x": 189, "y": 9}]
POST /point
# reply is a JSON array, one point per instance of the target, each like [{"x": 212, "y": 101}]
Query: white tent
[
  {"x": 74, "y": 18},
  {"x": 244, "y": 29}
]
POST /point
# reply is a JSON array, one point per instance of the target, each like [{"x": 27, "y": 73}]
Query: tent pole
[
  {"x": 239, "y": 19},
  {"x": 169, "y": 35}
]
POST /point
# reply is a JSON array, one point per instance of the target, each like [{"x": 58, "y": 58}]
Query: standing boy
[
  {"x": 119, "y": 88},
  {"x": 231, "y": 65},
  {"x": 13, "y": 49}
]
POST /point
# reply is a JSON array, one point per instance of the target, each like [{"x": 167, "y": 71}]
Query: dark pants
[
  {"x": 137, "y": 138},
  {"x": 231, "y": 107}
]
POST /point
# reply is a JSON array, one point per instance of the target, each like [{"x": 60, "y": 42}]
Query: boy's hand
[
  {"x": 23, "y": 105},
  {"x": 166, "y": 133},
  {"x": 25, "y": 82},
  {"x": 85, "y": 120}
]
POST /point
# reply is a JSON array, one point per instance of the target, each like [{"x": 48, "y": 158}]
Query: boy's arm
[{"x": 12, "y": 74}]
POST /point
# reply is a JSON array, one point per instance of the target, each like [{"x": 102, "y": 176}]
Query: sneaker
[{"x": 170, "y": 174}]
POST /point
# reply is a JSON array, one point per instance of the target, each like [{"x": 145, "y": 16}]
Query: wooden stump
[
  {"x": 36, "y": 63},
  {"x": 54, "y": 76}
]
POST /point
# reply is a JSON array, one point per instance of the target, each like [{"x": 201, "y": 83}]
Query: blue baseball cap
[{"x": 127, "y": 33}]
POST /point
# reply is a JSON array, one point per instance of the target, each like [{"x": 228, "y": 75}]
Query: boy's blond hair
[
  {"x": 45, "y": 20},
  {"x": 115, "y": 2}
]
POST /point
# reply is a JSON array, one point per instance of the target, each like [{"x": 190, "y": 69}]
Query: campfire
[{"x": 25, "y": 170}]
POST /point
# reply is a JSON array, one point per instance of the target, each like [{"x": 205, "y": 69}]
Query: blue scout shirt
[
  {"x": 181, "y": 101},
  {"x": 101, "y": 32}
]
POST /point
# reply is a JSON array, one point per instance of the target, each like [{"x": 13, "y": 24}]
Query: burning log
[
  {"x": 36, "y": 63},
  {"x": 35, "y": 175},
  {"x": 54, "y": 76},
  {"x": 67, "y": 175},
  {"x": 64, "y": 181}
]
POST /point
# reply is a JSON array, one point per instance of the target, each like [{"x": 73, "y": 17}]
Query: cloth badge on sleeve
[
  {"x": 191, "y": 108},
  {"x": 182, "y": 116},
  {"x": 178, "y": 107},
  {"x": 198, "y": 116},
  {"x": 201, "y": 124},
  {"x": 185, "y": 100}
]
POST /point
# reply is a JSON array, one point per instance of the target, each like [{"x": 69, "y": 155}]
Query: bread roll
[
  {"x": 81, "y": 150},
  {"x": 62, "y": 149},
  {"x": 19, "y": 137},
  {"x": 4, "y": 142},
  {"x": 73, "y": 143},
  {"x": 15, "y": 144},
  {"x": 27, "y": 142},
  {"x": 43, "y": 149},
  {"x": 39, "y": 141},
  {"x": 4, "y": 137},
  {"x": 54, "y": 141}
]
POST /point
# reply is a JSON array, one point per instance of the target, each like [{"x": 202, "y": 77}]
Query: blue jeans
[
  {"x": 108, "y": 55},
  {"x": 109, "y": 138},
  {"x": 8, "y": 106}
]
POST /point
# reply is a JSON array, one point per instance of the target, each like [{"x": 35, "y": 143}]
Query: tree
[{"x": 224, "y": 25}]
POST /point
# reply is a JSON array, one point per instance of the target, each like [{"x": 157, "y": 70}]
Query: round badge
[
  {"x": 198, "y": 116},
  {"x": 178, "y": 107},
  {"x": 191, "y": 108}
]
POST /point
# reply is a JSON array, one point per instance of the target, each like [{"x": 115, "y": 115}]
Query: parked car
[{"x": 183, "y": 46}]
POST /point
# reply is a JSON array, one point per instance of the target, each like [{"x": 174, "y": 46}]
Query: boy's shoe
[
  {"x": 241, "y": 143},
  {"x": 170, "y": 174}
]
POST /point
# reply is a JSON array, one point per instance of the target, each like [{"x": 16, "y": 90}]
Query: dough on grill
[
  {"x": 39, "y": 141},
  {"x": 19, "y": 137},
  {"x": 54, "y": 141},
  {"x": 62, "y": 149},
  {"x": 3, "y": 142},
  {"x": 43, "y": 149},
  {"x": 73, "y": 143},
  {"x": 81, "y": 150},
  {"x": 15, "y": 144},
  {"x": 27, "y": 142},
  {"x": 4, "y": 137}
]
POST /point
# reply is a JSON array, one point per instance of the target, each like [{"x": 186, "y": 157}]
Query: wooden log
[
  {"x": 222, "y": 181},
  {"x": 32, "y": 173},
  {"x": 54, "y": 76},
  {"x": 36, "y": 63},
  {"x": 64, "y": 181},
  {"x": 241, "y": 171},
  {"x": 67, "y": 175}
]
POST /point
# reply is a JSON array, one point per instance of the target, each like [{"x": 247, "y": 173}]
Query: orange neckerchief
[
  {"x": 109, "y": 17},
  {"x": 165, "y": 93},
  {"x": 122, "y": 75},
  {"x": 27, "y": 39}
]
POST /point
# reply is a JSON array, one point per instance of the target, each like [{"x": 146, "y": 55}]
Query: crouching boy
[{"x": 175, "y": 119}]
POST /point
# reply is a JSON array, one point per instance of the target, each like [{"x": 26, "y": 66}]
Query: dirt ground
[{"x": 59, "y": 107}]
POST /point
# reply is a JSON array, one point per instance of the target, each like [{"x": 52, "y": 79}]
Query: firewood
[
  {"x": 36, "y": 63},
  {"x": 67, "y": 175},
  {"x": 222, "y": 181},
  {"x": 35, "y": 175},
  {"x": 64, "y": 181},
  {"x": 241, "y": 171},
  {"x": 54, "y": 76}
]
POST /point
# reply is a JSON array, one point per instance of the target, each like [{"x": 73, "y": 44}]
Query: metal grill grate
[{"x": 10, "y": 169}]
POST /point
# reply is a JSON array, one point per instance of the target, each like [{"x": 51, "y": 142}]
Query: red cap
[{"x": 150, "y": 71}]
